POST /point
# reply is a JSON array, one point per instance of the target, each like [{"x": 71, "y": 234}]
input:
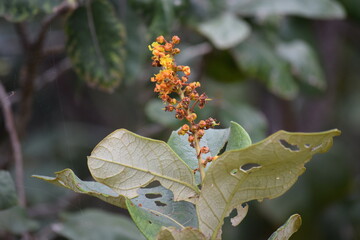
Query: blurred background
[{"x": 74, "y": 71}]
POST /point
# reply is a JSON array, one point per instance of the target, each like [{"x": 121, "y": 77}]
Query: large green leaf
[
  {"x": 126, "y": 162},
  {"x": 214, "y": 139},
  {"x": 66, "y": 178},
  {"x": 95, "y": 44},
  {"x": 258, "y": 59},
  {"x": 7, "y": 191},
  {"x": 322, "y": 9},
  {"x": 175, "y": 234},
  {"x": 225, "y": 31},
  {"x": 155, "y": 208},
  {"x": 15, "y": 220},
  {"x": 93, "y": 224},
  {"x": 289, "y": 228},
  {"x": 303, "y": 62},
  {"x": 21, "y": 10},
  {"x": 263, "y": 170}
]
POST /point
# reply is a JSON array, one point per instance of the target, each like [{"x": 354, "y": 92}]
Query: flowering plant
[{"x": 170, "y": 189}]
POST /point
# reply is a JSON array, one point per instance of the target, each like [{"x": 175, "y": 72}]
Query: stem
[
  {"x": 196, "y": 141},
  {"x": 15, "y": 145},
  {"x": 198, "y": 154}
]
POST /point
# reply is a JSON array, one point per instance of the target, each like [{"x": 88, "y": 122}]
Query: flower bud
[
  {"x": 160, "y": 39},
  {"x": 202, "y": 124},
  {"x": 175, "y": 39},
  {"x": 191, "y": 138},
  {"x": 191, "y": 117},
  {"x": 185, "y": 127}
]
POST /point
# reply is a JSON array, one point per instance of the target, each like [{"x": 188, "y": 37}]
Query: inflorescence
[{"x": 173, "y": 78}]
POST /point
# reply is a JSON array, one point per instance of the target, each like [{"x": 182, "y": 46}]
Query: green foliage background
[{"x": 291, "y": 65}]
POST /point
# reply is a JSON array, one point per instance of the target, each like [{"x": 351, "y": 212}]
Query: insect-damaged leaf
[
  {"x": 95, "y": 44},
  {"x": 263, "y": 170},
  {"x": 155, "y": 208},
  {"x": 126, "y": 162},
  {"x": 67, "y": 178},
  {"x": 187, "y": 233}
]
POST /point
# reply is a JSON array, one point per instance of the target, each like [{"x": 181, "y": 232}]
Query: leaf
[
  {"x": 15, "y": 220},
  {"x": 238, "y": 137},
  {"x": 21, "y": 10},
  {"x": 258, "y": 60},
  {"x": 175, "y": 234},
  {"x": 263, "y": 170},
  {"x": 214, "y": 139},
  {"x": 155, "y": 208},
  {"x": 240, "y": 215},
  {"x": 288, "y": 229},
  {"x": 319, "y": 9},
  {"x": 163, "y": 19},
  {"x": 93, "y": 224},
  {"x": 8, "y": 197},
  {"x": 225, "y": 31},
  {"x": 95, "y": 44},
  {"x": 303, "y": 62},
  {"x": 66, "y": 178},
  {"x": 126, "y": 162}
]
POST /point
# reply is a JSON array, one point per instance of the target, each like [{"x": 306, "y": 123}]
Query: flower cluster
[{"x": 173, "y": 78}]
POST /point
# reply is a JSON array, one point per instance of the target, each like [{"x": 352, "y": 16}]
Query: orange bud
[
  {"x": 202, "y": 124},
  {"x": 175, "y": 39},
  {"x": 191, "y": 138},
  {"x": 191, "y": 117},
  {"x": 160, "y": 39},
  {"x": 185, "y": 127}
]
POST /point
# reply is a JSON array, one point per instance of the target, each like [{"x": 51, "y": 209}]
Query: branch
[
  {"x": 53, "y": 73},
  {"x": 24, "y": 38},
  {"x": 15, "y": 144}
]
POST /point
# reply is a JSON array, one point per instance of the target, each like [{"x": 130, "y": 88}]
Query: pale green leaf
[
  {"x": 8, "y": 196},
  {"x": 93, "y": 224},
  {"x": 288, "y": 229},
  {"x": 214, "y": 139},
  {"x": 319, "y": 9},
  {"x": 125, "y": 162},
  {"x": 258, "y": 59},
  {"x": 304, "y": 63},
  {"x": 225, "y": 31},
  {"x": 263, "y": 170},
  {"x": 154, "y": 208},
  {"x": 238, "y": 137},
  {"x": 21, "y": 10},
  {"x": 15, "y": 220},
  {"x": 187, "y": 233},
  {"x": 66, "y": 178},
  {"x": 95, "y": 44}
]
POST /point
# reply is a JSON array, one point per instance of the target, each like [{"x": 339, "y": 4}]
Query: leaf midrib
[{"x": 151, "y": 172}]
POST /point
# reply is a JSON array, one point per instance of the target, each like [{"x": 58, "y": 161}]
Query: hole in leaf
[
  {"x": 223, "y": 149},
  {"x": 248, "y": 166},
  {"x": 234, "y": 171},
  {"x": 153, "y": 195},
  {"x": 289, "y": 146},
  {"x": 152, "y": 184},
  {"x": 150, "y": 222},
  {"x": 160, "y": 204}
]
